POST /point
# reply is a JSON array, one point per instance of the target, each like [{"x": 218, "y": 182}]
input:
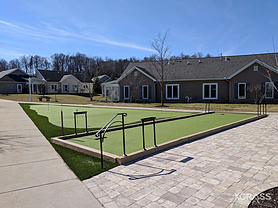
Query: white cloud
[
  {"x": 9, "y": 53},
  {"x": 50, "y": 33},
  {"x": 235, "y": 46}
]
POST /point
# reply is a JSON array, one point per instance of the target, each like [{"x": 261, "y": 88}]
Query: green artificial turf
[
  {"x": 165, "y": 131},
  {"x": 84, "y": 166},
  {"x": 47, "y": 119},
  {"x": 97, "y": 117}
]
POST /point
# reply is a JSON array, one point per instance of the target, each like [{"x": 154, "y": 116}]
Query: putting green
[
  {"x": 165, "y": 131},
  {"x": 97, "y": 117}
]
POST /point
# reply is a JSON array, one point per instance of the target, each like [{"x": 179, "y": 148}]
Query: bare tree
[
  {"x": 160, "y": 66},
  {"x": 257, "y": 92},
  {"x": 208, "y": 55},
  {"x": 267, "y": 73},
  {"x": 200, "y": 54},
  {"x": 15, "y": 63},
  {"x": 193, "y": 56},
  {"x": 3, "y": 65}
]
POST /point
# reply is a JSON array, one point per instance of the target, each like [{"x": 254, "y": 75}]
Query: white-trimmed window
[
  {"x": 172, "y": 91},
  {"x": 145, "y": 92},
  {"x": 241, "y": 90},
  {"x": 256, "y": 68},
  {"x": 126, "y": 92},
  {"x": 269, "y": 90},
  {"x": 19, "y": 88},
  {"x": 85, "y": 88},
  {"x": 75, "y": 88},
  {"x": 65, "y": 88},
  {"x": 210, "y": 90},
  {"x": 54, "y": 87}
]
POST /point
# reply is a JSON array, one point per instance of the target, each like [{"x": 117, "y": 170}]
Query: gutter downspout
[
  {"x": 154, "y": 91},
  {"x": 229, "y": 88}
]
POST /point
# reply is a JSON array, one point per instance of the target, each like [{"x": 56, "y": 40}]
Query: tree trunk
[{"x": 161, "y": 96}]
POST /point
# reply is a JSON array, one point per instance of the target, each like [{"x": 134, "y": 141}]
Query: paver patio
[{"x": 222, "y": 170}]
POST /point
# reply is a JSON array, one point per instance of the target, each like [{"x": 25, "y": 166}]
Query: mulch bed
[{"x": 266, "y": 199}]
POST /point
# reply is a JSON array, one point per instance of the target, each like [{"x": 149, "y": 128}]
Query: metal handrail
[
  {"x": 109, "y": 122},
  {"x": 107, "y": 125}
]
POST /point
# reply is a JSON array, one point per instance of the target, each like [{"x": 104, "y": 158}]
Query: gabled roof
[
  {"x": 102, "y": 78},
  {"x": 52, "y": 76},
  {"x": 249, "y": 64},
  {"x": 10, "y": 71},
  {"x": 140, "y": 69},
  {"x": 55, "y": 76},
  {"x": 83, "y": 77},
  {"x": 13, "y": 75},
  {"x": 212, "y": 68},
  {"x": 65, "y": 77}
]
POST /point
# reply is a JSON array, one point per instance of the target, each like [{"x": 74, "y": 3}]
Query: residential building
[{"x": 225, "y": 79}]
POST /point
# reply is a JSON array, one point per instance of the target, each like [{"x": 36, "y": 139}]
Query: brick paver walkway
[{"x": 222, "y": 170}]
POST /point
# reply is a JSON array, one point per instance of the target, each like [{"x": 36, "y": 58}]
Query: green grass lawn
[
  {"x": 165, "y": 132},
  {"x": 99, "y": 100}
]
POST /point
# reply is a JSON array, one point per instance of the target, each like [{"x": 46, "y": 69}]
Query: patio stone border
[{"x": 151, "y": 150}]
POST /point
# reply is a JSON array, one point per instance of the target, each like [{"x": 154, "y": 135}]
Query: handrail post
[
  {"x": 149, "y": 119},
  {"x": 265, "y": 107},
  {"x": 123, "y": 125},
  {"x": 154, "y": 137},
  {"x": 62, "y": 123},
  {"x": 209, "y": 106},
  {"x": 143, "y": 132},
  {"x": 86, "y": 122},
  {"x": 75, "y": 123},
  {"x": 101, "y": 151}
]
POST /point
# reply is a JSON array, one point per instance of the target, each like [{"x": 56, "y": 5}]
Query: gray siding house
[
  {"x": 13, "y": 81},
  {"x": 218, "y": 79}
]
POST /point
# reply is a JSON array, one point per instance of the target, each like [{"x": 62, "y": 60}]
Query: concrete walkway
[
  {"x": 227, "y": 169},
  {"x": 32, "y": 173}
]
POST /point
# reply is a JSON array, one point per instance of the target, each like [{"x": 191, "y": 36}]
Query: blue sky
[{"x": 124, "y": 28}]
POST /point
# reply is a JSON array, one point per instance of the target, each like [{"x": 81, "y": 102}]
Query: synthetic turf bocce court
[{"x": 166, "y": 132}]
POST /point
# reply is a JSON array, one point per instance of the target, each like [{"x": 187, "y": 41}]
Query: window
[
  {"x": 135, "y": 73},
  {"x": 85, "y": 88},
  {"x": 19, "y": 88},
  {"x": 241, "y": 90},
  {"x": 126, "y": 92},
  {"x": 172, "y": 91},
  {"x": 111, "y": 92},
  {"x": 66, "y": 88},
  {"x": 54, "y": 88},
  {"x": 269, "y": 90},
  {"x": 210, "y": 90},
  {"x": 256, "y": 68},
  {"x": 145, "y": 90},
  {"x": 75, "y": 88}
]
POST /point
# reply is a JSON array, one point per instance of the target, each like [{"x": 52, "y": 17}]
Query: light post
[{"x": 30, "y": 89}]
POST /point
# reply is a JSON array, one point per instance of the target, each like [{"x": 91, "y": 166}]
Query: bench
[{"x": 44, "y": 97}]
